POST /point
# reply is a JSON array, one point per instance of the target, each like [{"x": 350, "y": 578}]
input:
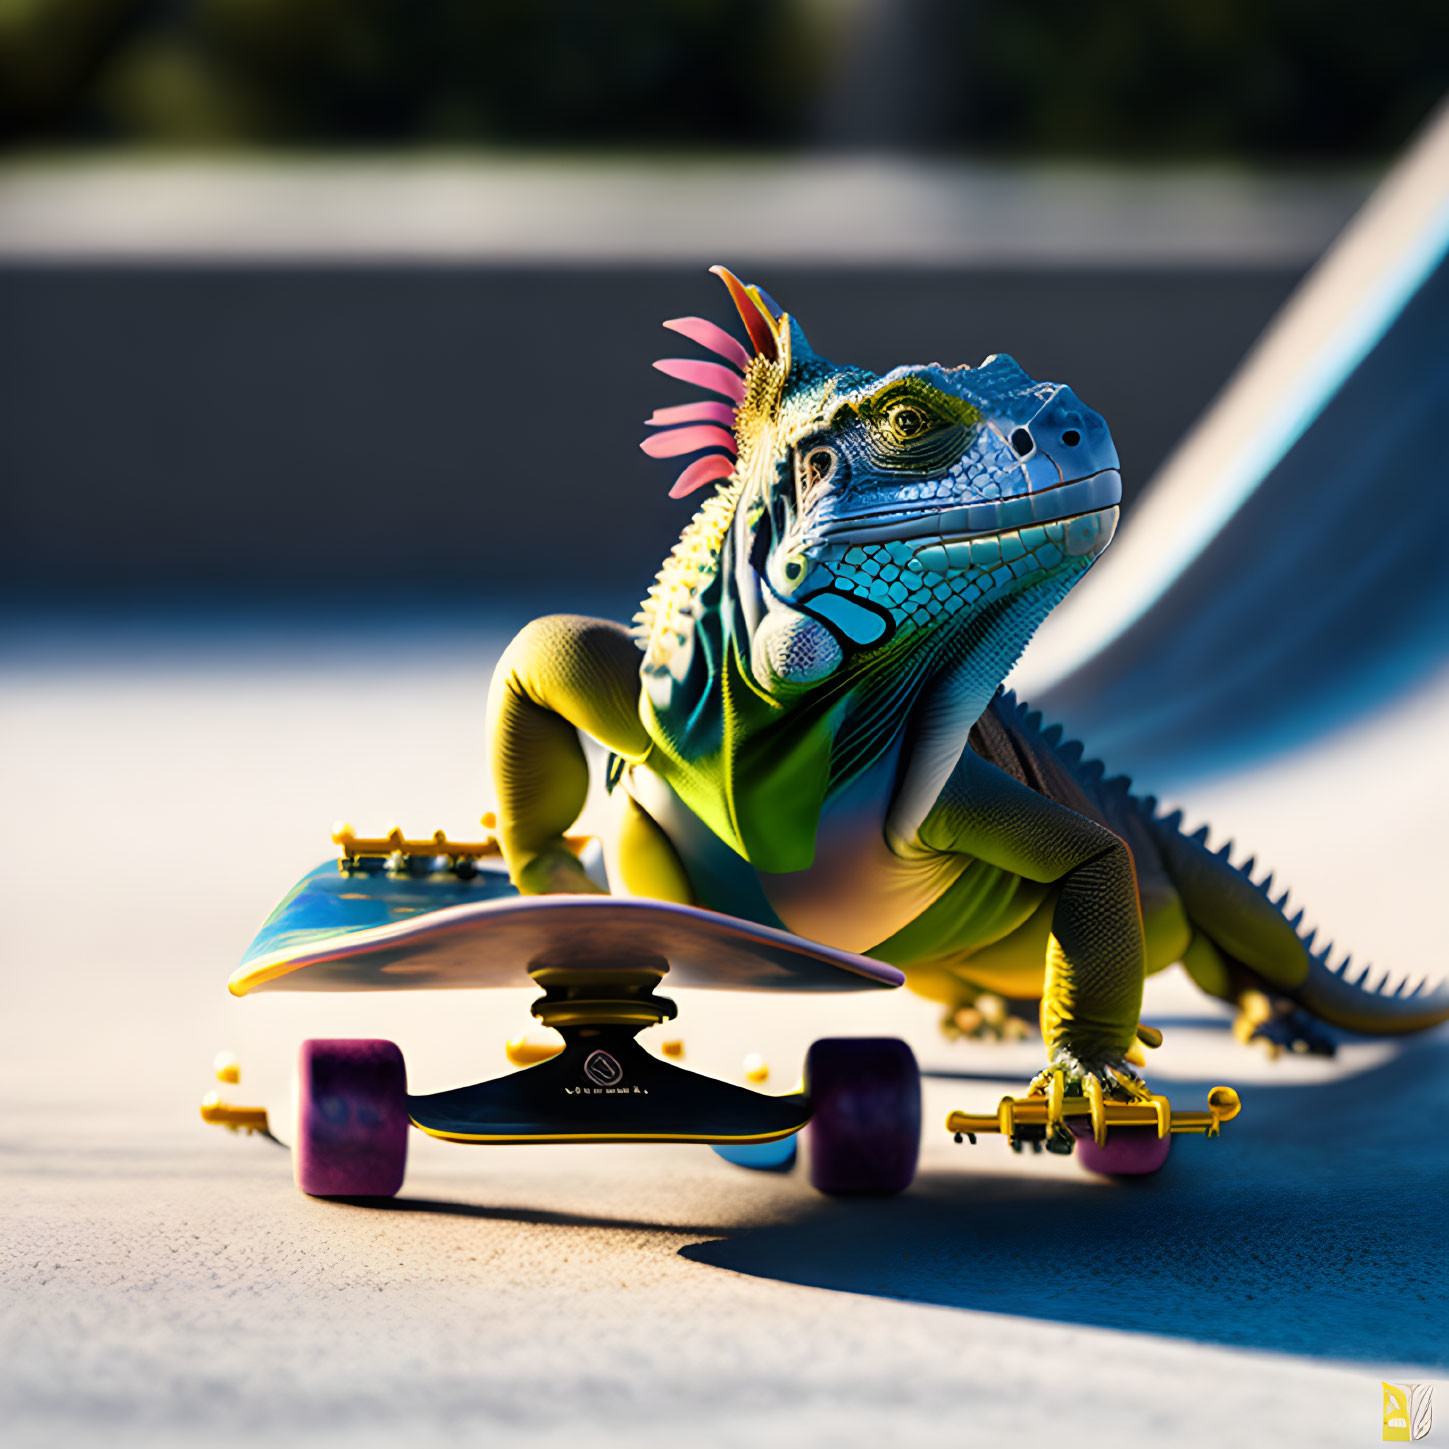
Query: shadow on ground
[
  {"x": 534, "y": 1217},
  {"x": 1315, "y": 1226}
]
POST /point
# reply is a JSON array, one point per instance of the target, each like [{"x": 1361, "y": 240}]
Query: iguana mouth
[
  {"x": 1080, "y": 535},
  {"x": 956, "y": 527}
]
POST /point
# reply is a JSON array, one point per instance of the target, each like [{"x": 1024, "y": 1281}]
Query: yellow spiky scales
[
  {"x": 666, "y": 615},
  {"x": 667, "y": 608}
]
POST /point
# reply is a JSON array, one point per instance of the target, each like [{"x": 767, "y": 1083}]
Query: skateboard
[{"x": 396, "y": 914}]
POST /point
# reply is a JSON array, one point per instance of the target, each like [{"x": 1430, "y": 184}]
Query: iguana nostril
[
  {"x": 1021, "y": 441},
  {"x": 1071, "y": 437}
]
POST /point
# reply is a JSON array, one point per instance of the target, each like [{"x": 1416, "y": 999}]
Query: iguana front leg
[
  {"x": 560, "y": 675},
  {"x": 1095, "y": 962}
]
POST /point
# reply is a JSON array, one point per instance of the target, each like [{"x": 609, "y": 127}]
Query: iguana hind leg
[
  {"x": 1242, "y": 950},
  {"x": 1264, "y": 1017}
]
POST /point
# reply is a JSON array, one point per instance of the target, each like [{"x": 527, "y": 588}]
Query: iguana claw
[{"x": 1096, "y": 1080}]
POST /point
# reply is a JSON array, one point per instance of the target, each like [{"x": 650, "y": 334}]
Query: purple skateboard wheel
[
  {"x": 865, "y": 1122},
  {"x": 352, "y": 1119},
  {"x": 1130, "y": 1152}
]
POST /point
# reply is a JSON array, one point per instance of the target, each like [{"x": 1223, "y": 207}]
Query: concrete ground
[{"x": 163, "y": 1283}]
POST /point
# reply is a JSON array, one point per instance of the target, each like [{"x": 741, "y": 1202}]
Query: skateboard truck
[
  {"x": 601, "y": 1085},
  {"x": 217, "y": 1113},
  {"x": 401, "y": 855},
  {"x": 1023, "y": 1120},
  {"x": 580, "y": 999}
]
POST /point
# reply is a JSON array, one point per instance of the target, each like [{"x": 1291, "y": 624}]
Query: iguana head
[
  {"x": 865, "y": 533},
  {"x": 871, "y": 511}
]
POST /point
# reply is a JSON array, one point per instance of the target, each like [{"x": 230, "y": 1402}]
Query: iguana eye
[{"x": 908, "y": 421}]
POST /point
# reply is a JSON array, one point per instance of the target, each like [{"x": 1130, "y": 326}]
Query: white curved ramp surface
[{"x": 1284, "y": 571}]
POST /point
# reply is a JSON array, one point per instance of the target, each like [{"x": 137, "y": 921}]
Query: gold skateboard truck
[
  {"x": 1028, "y": 1120},
  {"x": 401, "y": 854},
  {"x": 216, "y": 1113}
]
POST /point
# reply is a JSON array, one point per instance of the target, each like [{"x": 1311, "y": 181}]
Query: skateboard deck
[{"x": 370, "y": 929}]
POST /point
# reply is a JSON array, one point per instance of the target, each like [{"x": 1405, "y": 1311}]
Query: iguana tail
[
  {"x": 1250, "y": 932},
  {"x": 1242, "y": 939}
]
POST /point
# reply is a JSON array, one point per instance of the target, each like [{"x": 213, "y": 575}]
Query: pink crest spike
[
  {"x": 697, "y": 329},
  {"x": 723, "y": 380},
  {"x": 701, "y": 472},
  {"x": 687, "y": 440},
  {"x": 700, "y": 412}
]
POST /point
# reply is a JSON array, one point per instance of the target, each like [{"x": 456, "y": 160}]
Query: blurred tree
[
  {"x": 1233, "y": 77},
  {"x": 892, "y": 84},
  {"x": 1171, "y": 78},
  {"x": 50, "y": 54}
]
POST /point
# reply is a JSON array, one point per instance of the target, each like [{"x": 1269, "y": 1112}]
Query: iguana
[{"x": 816, "y": 737}]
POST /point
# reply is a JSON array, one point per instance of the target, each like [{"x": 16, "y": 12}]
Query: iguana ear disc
[{"x": 792, "y": 648}]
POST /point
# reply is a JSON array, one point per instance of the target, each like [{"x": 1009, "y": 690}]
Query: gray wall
[{"x": 474, "y": 429}]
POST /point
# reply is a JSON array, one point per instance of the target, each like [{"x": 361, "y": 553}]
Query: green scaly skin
[{"x": 816, "y": 738}]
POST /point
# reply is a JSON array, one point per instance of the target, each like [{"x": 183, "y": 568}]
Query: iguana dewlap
[{"x": 815, "y": 735}]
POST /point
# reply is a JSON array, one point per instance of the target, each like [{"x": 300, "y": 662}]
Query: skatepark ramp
[{"x": 1285, "y": 570}]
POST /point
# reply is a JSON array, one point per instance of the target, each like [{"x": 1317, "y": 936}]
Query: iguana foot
[
  {"x": 1112, "y": 1076},
  {"x": 1098, "y": 1079},
  {"x": 1280, "y": 1025},
  {"x": 987, "y": 1017}
]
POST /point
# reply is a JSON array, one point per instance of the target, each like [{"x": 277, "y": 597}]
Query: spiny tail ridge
[{"x": 1333, "y": 991}]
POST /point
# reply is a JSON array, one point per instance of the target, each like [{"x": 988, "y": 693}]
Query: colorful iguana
[{"x": 816, "y": 737}]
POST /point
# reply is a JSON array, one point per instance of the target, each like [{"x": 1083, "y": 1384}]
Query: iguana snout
[{"x": 910, "y": 504}]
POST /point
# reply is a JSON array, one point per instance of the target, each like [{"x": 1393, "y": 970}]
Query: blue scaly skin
[{"x": 815, "y": 737}]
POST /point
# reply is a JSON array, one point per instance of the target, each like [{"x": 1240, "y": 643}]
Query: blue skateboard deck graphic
[
  {"x": 368, "y": 929},
  {"x": 327, "y": 903}
]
